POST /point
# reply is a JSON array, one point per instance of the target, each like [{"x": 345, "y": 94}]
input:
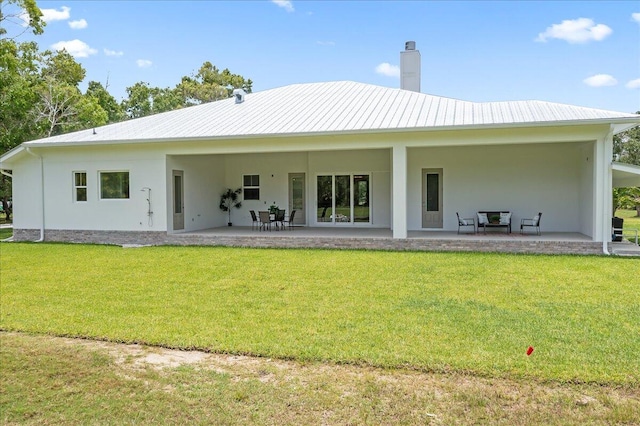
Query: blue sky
[{"x": 576, "y": 52}]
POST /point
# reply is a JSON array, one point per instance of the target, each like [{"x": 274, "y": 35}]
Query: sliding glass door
[{"x": 343, "y": 198}]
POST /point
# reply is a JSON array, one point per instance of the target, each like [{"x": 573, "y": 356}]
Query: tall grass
[{"x": 475, "y": 313}]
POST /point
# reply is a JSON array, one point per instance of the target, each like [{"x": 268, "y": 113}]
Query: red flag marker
[{"x": 530, "y": 350}]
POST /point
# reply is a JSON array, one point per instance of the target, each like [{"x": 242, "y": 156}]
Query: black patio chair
[
  {"x": 279, "y": 218},
  {"x": 255, "y": 223},
  {"x": 289, "y": 221}
]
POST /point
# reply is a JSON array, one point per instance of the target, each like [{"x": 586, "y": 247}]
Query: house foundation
[{"x": 301, "y": 239}]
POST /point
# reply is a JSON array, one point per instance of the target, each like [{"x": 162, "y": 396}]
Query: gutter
[{"x": 41, "y": 239}]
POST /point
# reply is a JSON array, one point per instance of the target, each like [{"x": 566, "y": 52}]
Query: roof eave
[
  {"x": 7, "y": 156},
  {"x": 619, "y": 125}
]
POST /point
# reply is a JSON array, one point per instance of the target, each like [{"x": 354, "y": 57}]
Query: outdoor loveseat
[{"x": 494, "y": 219}]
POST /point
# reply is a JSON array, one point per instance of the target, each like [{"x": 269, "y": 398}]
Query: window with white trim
[
  {"x": 79, "y": 186},
  {"x": 114, "y": 185},
  {"x": 251, "y": 187}
]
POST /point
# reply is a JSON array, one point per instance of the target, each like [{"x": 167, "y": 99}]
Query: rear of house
[{"x": 342, "y": 154}]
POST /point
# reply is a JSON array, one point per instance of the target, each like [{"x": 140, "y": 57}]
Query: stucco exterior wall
[
  {"x": 482, "y": 171},
  {"x": 27, "y": 198},
  {"x": 587, "y": 179},
  {"x": 274, "y": 169},
  {"x": 203, "y": 182},
  {"x": 145, "y": 167},
  {"x": 207, "y": 176},
  {"x": 523, "y": 179}
]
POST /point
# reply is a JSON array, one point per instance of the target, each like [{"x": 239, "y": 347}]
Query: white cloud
[
  {"x": 389, "y": 70},
  {"x": 24, "y": 17},
  {"x": 78, "y": 25},
  {"x": 109, "y": 52},
  {"x": 144, "y": 63},
  {"x": 326, "y": 43},
  {"x": 581, "y": 30},
  {"x": 50, "y": 15},
  {"x": 633, "y": 84},
  {"x": 76, "y": 48},
  {"x": 636, "y": 17},
  {"x": 285, "y": 4},
  {"x": 600, "y": 80}
]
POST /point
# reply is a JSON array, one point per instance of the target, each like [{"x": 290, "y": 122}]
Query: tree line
[
  {"x": 40, "y": 92},
  {"x": 40, "y": 97}
]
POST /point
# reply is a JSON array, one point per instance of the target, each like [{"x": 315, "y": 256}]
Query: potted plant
[
  {"x": 229, "y": 200},
  {"x": 273, "y": 208}
]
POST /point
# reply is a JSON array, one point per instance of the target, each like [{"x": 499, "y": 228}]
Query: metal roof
[{"x": 333, "y": 107}]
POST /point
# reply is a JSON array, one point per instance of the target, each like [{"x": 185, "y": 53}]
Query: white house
[{"x": 343, "y": 154}]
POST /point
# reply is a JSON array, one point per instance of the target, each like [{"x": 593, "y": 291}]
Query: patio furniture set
[
  {"x": 497, "y": 219},
  {"x": 265, "y": 220}
]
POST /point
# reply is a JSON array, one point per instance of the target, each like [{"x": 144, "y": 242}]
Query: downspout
[{"x": 41, "y": 239}]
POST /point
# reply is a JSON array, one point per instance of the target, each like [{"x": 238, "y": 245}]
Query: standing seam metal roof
[{"x": 341, "y": 106}]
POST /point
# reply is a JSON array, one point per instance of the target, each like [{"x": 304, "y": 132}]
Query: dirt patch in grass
[{"x": 158, "y": 383}]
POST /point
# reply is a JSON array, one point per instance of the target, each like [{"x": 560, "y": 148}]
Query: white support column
[
  {"x": 603, "y": 194},
  {"x": 607, "y": 189},
  {"x": 399, "y": 199}
]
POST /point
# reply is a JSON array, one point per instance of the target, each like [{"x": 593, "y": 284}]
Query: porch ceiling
[{"x": 625, "y": 175}]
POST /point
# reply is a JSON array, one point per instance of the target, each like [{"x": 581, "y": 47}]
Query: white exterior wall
[
  {"x": 146, "y": 169},
  {"x": 27, "y": 196},
  {"x": 524, "y": 171},
  {"x": 587, "y": 179},
  {"x": 523, "y": 179},
  {"x": 274, "y": 169},
  {"x": 207, "y": 176},
  {"x": 203, "y": 180}
]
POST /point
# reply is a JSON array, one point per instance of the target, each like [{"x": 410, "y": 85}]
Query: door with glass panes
[
  {"x": 297, "y": 199},
  {"x": 343, "y": 198},
  {"x": 432, "y": 198}
]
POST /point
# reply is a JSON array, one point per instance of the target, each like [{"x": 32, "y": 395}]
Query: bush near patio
[{"x": 434, "y": 312}]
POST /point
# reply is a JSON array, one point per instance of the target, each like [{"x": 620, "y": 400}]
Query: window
[
  {"x": 80, "y": 186},
  {"x": 251, "y": 187},
  {"x": 114, "y": 185}
]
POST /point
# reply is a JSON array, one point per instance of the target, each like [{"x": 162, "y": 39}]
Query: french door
[{"x": 343, "y": 198}]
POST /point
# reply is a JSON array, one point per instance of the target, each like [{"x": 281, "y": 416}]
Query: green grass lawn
[
  {"x": 5, "y": 233},
  {"x": 631, "y": 220},
  {"x": 435, "y": 312}
]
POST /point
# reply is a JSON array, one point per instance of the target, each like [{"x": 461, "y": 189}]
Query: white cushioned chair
[{"x": 468, "y": 221}]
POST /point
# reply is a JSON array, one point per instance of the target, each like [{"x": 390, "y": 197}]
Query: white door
[
  {"x": 178, "y": 200},
  {"x": 297, "y": 198},
  {"x": 432, "y": 198}
]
